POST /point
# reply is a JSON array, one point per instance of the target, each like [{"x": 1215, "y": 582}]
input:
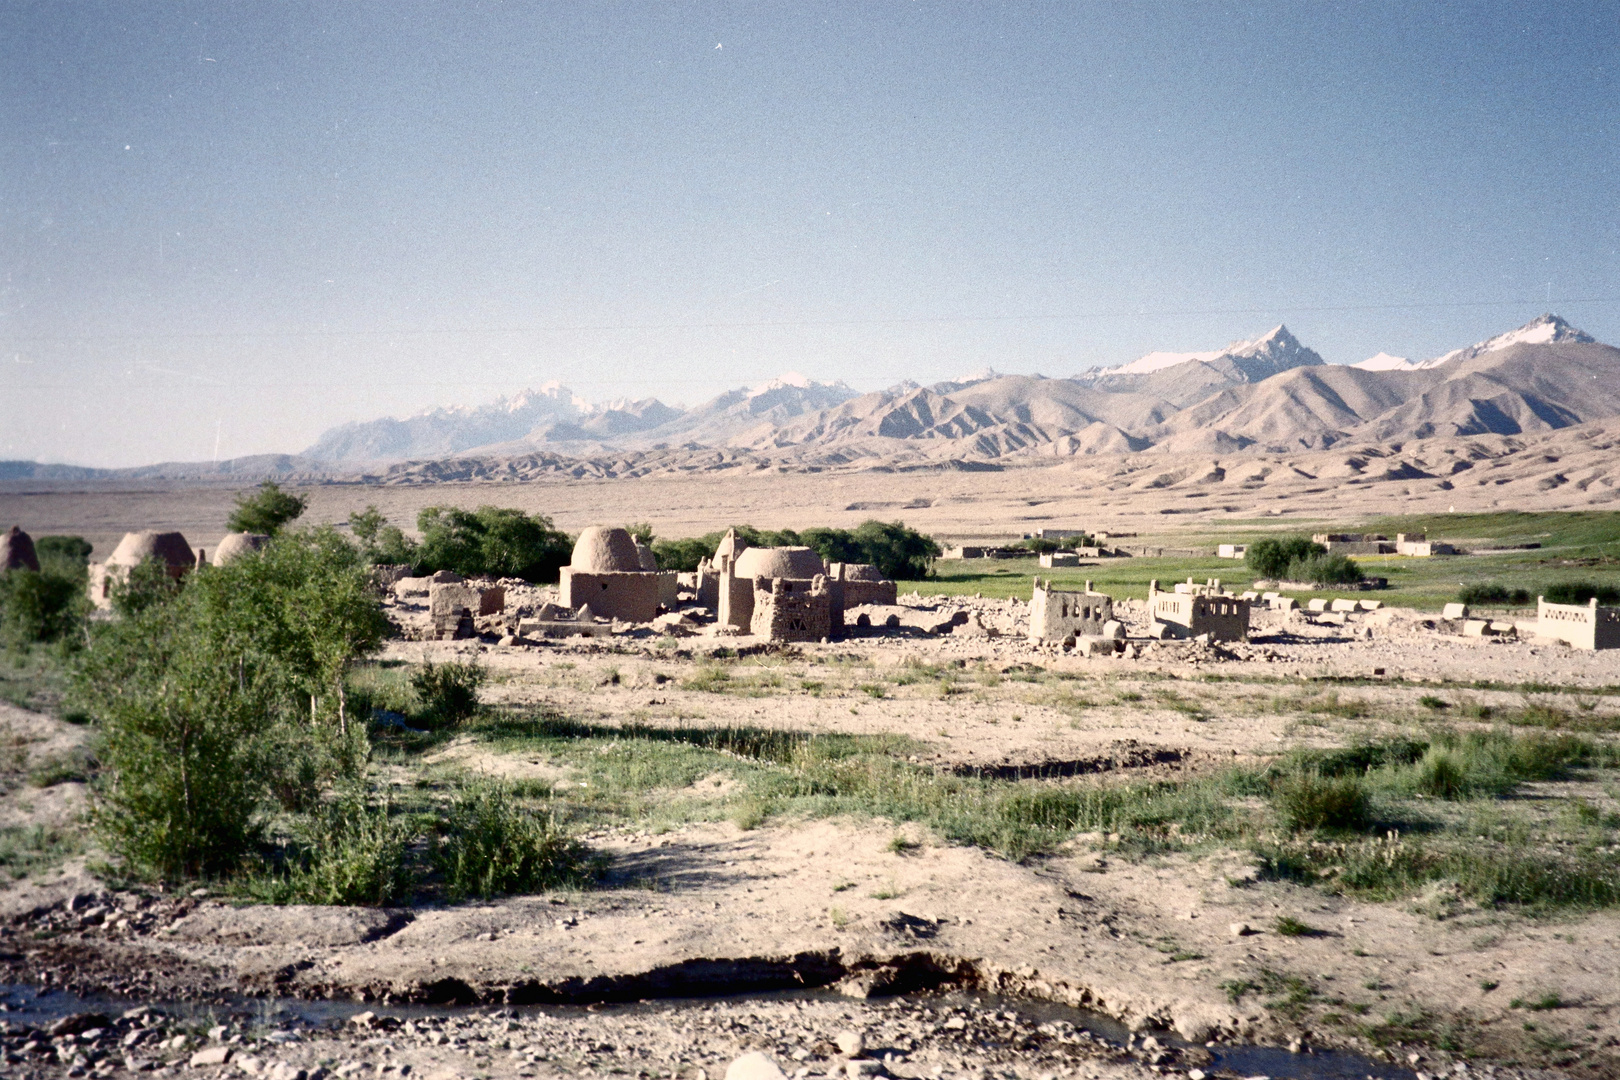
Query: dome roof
[
  {"x": 602, "y": 549},
  {"x": 238, "y": 543},
  {"x": 858, "y": 571},
  {"x": 779, "y": 562},
  {"x": 649, "y": 561},
  {"x": 17, "y": 551},
  {"x": 168, "y": 548}
]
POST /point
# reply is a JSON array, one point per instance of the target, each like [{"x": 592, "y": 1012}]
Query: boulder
[{"x": 1454, "y": 611}]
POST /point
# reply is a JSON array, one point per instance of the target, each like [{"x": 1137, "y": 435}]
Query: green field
[{"x": 1577, "y": 546}]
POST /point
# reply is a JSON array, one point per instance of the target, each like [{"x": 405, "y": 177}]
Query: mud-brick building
[
  {"x": 740, "y": 574},
  {"x": 168, "y": 549},
  {"x": 605, "y": 572},
  {"x": 1194, "y": 610},
  {"x": 787, "y": 609},
  {"x": 1583, "y": 626},
  {"x": 1063, "y": 614}
]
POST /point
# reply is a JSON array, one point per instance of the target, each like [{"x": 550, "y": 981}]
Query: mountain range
[{"x": 1272, "y": 394}]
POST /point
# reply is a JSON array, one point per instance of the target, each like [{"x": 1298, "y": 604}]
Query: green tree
[
  {"x": 1269, "y": 558},
  {"x": 491, "y": 540},
  {"x": 380, "y": 541},
  {"x": 901, "y": 553},
  {"x": 266, "y": 511},
  {"x": 70, "y": 548}
]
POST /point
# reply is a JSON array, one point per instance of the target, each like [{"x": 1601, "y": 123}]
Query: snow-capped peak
[
  {"x": 1385, "y": 362},
  {"x": 1542, "y": 330},
  {"x": 1271, "y": 352},
  {"x": 797, "y": 381}
]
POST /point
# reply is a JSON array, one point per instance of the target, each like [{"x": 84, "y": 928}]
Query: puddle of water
[{"x": 28, "y": 1005}]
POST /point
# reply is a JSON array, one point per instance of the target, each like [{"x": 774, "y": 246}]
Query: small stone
[
  {"x": 863, "y": 1070},
  {"x": 249, "y": 1064},
  {"x": 198, "y": 894},
  {"x": 850, "y": 1043},
  {"x": 754, "y": 1066},
  {"x": 1240, "y": 929},
  {"x": 1195, "y": 1074},
  {"x": 363, "y": 1019},
  {"x": 211, "y": 1055}
]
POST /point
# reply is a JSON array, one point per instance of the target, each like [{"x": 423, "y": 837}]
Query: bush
[
  {"x": 491, "y": 541},
  {"x": 145, "y": 585},
  {"x": 229, "y": 692},
  {"x": 1324, "y": 570},
  {"x": 1490, "y": 593},
  {"x": 901, "y": 553},
  {"x": 352, "y": 852},
  {"x": 1308, "y": 801},
  {"x": 265, "y": 511},
  {"x": 381, "y": 542},
  {"x": 69, "y": 548},
  {"x": 48, "y": 604},
  {"x": 448, "y": 693},
  {"x": 1581, "y": 592},
  {"x": 491, "y": 845},
  {"x": 1270, "y": 558}
]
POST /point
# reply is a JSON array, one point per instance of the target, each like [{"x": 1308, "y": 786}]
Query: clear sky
[{"x": 243, "y": 223}]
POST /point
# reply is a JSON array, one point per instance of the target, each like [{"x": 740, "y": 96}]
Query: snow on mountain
[
  {"x": 1385, "y": 362},
  {"x": 1261, "y": 358},
  {"x": 1542, "y": 330}
]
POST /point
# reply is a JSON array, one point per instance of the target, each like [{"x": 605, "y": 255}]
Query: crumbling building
[
  {"x": 1584, "y": 626},
  {"x": 1195, "y": 610},
  {"x": 788, "y": 609},
  {"x": 1060, "y": 615}
]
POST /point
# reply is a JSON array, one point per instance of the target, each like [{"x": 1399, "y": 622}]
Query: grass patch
[{"x": 32, "y": 849}]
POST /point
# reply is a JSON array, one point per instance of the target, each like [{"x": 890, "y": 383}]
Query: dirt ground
[{"x": 870, "y": 907}]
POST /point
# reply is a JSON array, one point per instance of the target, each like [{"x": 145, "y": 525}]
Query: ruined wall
[
  {"x": 787, "y": 609},
  {"x": 1585, "y": 626},
  {"x": 1058, "y": 615},
  {"x": 1191, "y": 614}
]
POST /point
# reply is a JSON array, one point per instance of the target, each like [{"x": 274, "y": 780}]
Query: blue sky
[{"x": 245, "y": 223}]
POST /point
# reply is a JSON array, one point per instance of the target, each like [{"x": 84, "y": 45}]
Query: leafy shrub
[
  {"x": 70, "y": 548},
  {"x": 48, "y": 604},
  {"x": 448, "y": 692},
  {"x": 146, "y": 585},
  {"x": 1324, "y": 570},
  {"x": 265, "y": 511},
  {"x": 1270, "y": 558},
  {"x": 901, "y": 553},
  {"x": 230, "y": 692},
  {"x": 491, "y": 846},
  {"x": 1491, "y": 593},
  {"x": 352, "y": 853},
  {"x": 1308, "y": 801},
  {"x": 491, "y": 540},
  {"x": 1581, "y": 592},
  {"x": 380, "y": 541}
]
